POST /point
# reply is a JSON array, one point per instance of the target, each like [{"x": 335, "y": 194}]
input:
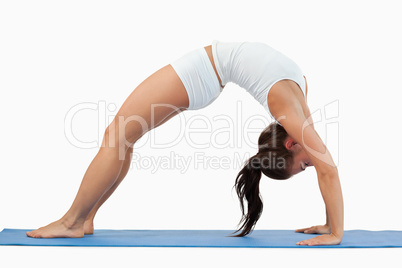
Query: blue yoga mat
[{"x": 202, "y": 238}]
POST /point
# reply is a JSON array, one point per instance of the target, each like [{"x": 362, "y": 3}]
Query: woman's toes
[{"x": 32, "y": 234}]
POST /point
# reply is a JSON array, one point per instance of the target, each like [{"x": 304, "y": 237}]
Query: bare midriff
[{"x": 208, "y": 49}]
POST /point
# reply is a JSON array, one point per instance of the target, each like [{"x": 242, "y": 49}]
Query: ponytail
[
  {"x": 273, "y": 160},
  {"x": 247, "y": 187}
]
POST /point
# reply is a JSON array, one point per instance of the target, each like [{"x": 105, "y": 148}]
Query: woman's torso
[
  {"x": 256, "y": 67},
  {"x": 208, "y": 49}
]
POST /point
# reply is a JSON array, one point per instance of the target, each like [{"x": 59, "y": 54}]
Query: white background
[{"x": 57, "y": 54}]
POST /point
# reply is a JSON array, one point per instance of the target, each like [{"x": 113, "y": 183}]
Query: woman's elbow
[{"x": 328, "y": 172}]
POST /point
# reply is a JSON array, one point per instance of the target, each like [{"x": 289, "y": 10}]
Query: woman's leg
[
  {"x": 89, "y": 222},
  {"x": 136, "y": 116}
]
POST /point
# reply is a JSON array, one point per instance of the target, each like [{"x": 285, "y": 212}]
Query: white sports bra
[{"x": 256, "y": 67}]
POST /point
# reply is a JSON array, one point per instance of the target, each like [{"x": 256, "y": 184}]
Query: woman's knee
[
  {"x": 124, "y": 132},
  {"x": 115, "y": 146}
]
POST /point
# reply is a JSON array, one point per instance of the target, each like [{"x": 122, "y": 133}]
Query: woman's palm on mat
[
  {"x": 327, "y": 238},
  {"x": 318, "y": 229}
]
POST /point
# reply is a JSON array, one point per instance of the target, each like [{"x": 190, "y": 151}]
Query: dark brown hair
[{"x": 274, "y": 161}]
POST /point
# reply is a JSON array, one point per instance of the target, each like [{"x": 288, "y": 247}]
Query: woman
[{"x": 193, "y": 82}]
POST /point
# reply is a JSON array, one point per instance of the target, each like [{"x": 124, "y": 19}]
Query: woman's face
[{"x": 300, "y": 158}]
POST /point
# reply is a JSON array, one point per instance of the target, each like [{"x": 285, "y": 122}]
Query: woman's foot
[
  {"x": 58, "y": 229},
  {"x": 89, "y": 227}
]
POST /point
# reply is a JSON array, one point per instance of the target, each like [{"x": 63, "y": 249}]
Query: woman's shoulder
[{"x": 286, "y": 97}]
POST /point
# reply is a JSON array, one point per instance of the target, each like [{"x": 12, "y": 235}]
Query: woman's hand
[
  {"x": 319, "y": 229},
  {"x": 326, "y": 239}
]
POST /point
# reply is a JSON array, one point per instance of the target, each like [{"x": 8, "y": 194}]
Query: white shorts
[{"x": 199, "y": 78}]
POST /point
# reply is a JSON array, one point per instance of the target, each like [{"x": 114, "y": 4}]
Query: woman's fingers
[
  {"x": 302, "y": 230},
  {"x": 311, "y": 230},
  {"x": 320, "y": 240},
  {"x": 308, "y": 230},
  {"x": 319, "y": 229}
]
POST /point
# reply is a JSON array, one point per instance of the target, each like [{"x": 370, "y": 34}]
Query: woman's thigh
[{"x": 157, "y": 99}]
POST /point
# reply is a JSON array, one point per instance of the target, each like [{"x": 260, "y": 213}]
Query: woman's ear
[{"x": 290, "y": 143}]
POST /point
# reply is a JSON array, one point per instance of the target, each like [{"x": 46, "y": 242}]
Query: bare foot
[
  {"x": 58, "y": 229},
  {"x": 89, "y": 227}
]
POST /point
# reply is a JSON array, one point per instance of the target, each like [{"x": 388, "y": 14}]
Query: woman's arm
[{"x": 287, "y": 105}]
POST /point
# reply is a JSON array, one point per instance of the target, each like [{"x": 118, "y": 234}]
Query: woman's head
[{"x": 279, "y": 157}]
